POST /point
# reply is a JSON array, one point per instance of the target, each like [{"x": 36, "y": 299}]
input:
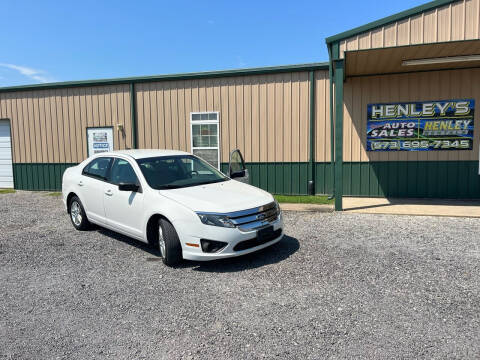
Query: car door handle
[
  {"x": 80, "y": 183},
  {"x": 109, "y": 192}
]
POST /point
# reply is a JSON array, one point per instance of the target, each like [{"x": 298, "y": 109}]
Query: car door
[
  {"x": 124, "y": 209},
  {"x": 236, "y": 168},
  {"x": 91, "y": 187}
]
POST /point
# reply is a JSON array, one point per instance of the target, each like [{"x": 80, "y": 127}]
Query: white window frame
[{"x": 203, "y": 122}]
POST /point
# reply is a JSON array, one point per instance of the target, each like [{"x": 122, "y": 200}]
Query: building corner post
[
  {"x": 339, "y": 73},
  {"x": 332, "y": 125},
  {"x": 133, "y": 115},
  {"x": 311, "y": 164}
]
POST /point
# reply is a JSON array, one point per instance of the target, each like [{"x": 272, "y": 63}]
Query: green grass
[
  {"x": 303, "y": 199},
  {"x": 53, "y": 194},
  {"x": 7, "y": 191}
]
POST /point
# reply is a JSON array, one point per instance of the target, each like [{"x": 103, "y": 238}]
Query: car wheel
[
  {"x": 168, "y": 243},
  {"x": 77, "y": 214}
]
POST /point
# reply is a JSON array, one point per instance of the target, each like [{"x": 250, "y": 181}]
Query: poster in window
[
  {"x": 421, "y": 126},
  {"x": 99, "y": 140}
]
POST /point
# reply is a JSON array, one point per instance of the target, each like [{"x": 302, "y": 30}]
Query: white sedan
[{"x": 175, "y": 201}]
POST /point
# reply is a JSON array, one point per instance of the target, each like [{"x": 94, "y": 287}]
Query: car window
[
  {"x": 236, "y": 162},
  {"x": 177, "y": 171},
  {"x": 98, "y": 168},
  {"x": 122, "y": 173}
]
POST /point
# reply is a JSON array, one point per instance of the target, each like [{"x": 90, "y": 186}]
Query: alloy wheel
[
  {"x": 76, "y": 213},
  {"x": 161, "y": 241}
]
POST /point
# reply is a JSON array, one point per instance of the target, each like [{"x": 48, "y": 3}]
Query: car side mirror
[
  {"x": 128, "y": 187},
  {"x": 237, "y": 174}
]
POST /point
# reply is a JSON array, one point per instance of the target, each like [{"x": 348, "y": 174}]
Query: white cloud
[
  {"x": 34, "y": 74},
  {"x": 241, "y": 62}
]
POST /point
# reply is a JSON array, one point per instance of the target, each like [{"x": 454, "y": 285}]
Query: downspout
[
  {"x": 133, "y": 115},
  {"x": 332, "y": 128},
  {"x": 311, "y": 170}
]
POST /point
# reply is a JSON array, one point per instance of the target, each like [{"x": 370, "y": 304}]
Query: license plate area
[{"x": 265, "y": 233}]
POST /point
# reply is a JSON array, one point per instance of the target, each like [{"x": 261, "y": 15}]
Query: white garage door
[{"x": 6, "y": 170}]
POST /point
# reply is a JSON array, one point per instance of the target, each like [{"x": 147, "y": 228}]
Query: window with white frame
[{"x": 205, "y": 137}]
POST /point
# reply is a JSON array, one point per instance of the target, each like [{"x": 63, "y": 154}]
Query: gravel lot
[{"x": 339, "y": 286}]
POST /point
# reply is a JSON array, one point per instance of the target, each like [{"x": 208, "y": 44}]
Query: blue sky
[{"x": 45, "y": 41}]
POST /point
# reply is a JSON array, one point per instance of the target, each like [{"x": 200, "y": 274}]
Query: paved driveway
[{"x": 338, "y": 286}]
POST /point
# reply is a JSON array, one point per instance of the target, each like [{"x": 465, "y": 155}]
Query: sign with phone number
[{"x": 421, "y": 126}]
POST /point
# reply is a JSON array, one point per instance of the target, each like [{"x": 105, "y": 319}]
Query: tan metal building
[
  {"x": 266, "y": 113},
  {"x": 425, "y": 54},
  {"x": 279, "y": 117}
]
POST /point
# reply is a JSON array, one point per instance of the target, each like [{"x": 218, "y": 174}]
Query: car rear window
[{"x": 98, "y": 168}]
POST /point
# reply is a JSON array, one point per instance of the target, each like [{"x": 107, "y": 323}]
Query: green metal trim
[
  {"x": 389, "y": 19},
  {"x": 336, "y": 112},
  {"x": 412, "y": 179},
  {"x": 323, "y": 178},
  {"x": 39, "y": 176},
  {"x": 278, "y": 177},
  {"x": 288, "y": 178},
  {"x": 133, "y": 115},
  {"x": 407, "y": 179},
  {"x": 339, "y": 75},
  {"x": 171, "y": 77},
  {"x": 335, "y": 53},
  {"x": 332, "y": 127},
  {"x": 311, "y": 167}
]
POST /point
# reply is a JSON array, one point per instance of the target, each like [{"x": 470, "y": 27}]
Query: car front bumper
[{"x": 192, "y": 250}]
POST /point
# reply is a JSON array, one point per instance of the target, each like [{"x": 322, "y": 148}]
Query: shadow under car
[{"x": 269, "y": 255}]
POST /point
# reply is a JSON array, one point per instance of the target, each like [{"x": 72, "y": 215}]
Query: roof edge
[
  {"x": 171, "y": 77},
  {"x": 389, "y": 19}
]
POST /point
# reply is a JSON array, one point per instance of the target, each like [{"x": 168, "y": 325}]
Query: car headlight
[
  {"x": 215, "y": 220},
  {"x": 277, "y": 205}
]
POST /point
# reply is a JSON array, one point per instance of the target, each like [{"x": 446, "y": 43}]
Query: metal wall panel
[
  {"x": 322, "y": 117},
  {"x": 49, "y": 126},
  {"x": 456, "y": 21},
  {"x": 414, "y": 179},
  {"x": 424, "y": 86},
  {"x": 265, "y": 116}
]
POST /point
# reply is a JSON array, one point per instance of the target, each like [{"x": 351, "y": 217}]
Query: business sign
[
  {"x": 421, "y": 126},
  {"x": 99, "y": 140}
]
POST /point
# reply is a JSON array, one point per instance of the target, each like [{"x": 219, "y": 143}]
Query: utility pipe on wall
[{"x": 133, "y": 115}]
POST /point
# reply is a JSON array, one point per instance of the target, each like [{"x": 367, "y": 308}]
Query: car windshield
[{"x": 172, "y": 172}]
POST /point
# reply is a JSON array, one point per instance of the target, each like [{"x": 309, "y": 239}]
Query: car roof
[{"x": 145, "y": 153}]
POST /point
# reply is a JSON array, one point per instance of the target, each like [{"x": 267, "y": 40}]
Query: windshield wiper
[
  {"x": 163, "y": 187},
  {"x": 167, "y": 187},
  {"x": 211, "y": 181}
]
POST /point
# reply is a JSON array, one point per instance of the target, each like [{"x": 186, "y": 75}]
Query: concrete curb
[
  {"x": 413, "y": 207},
  {"x": 307, "y": 207}
]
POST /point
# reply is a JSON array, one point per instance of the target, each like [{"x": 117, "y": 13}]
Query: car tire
[
  {"x": 169, "y": 243},
  {"x": 77, "y": 214}
]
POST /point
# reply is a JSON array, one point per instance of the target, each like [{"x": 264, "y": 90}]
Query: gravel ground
[{"x": 338, "y": 286}]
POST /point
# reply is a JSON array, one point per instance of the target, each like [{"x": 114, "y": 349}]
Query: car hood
[{"x": 222, "y": 197}]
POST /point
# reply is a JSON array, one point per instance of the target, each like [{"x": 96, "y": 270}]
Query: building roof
[
  {"x": 171, "y": 77},
  {"x": 387, "y": 20}
]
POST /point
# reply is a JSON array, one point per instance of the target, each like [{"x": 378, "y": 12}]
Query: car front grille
[
  {"x": 255, "y": 218},
  {"x": 248, "y": 244}
]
